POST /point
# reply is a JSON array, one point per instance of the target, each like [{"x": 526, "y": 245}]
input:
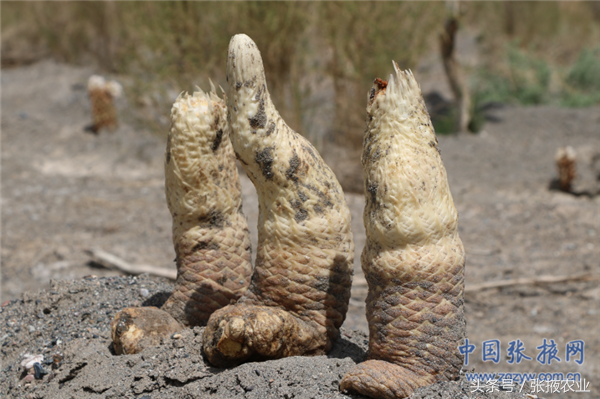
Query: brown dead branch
[
  {"x": 531, "y": 281},
  {"x": 111, "y": 261},
  {"x": 454, "y": 73},
  {"x": 359, "y": 283},
  {"x": 482, "y": 251}
]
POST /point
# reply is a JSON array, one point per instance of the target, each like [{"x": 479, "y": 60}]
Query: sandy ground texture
[
  {"x": 70, "y": 321},
  {"x": 65, "y": 190}
]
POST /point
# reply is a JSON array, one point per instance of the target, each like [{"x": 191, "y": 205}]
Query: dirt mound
[{"x": 70, "y": 323}]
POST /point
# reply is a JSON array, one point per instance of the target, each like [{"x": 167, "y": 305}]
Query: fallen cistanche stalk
[
  {"x": 413, "y": 259},
  {"x": 299, "y": 294}
]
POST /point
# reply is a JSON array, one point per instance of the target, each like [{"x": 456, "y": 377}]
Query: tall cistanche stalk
[{"x": 413, "y": 259}]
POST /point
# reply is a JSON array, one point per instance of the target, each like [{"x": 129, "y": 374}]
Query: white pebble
[{"x": 29, "y": 360}]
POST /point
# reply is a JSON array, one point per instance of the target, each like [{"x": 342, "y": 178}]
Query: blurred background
[
  {"x": 321, "y": 58},
  {"x": 506, "y": 84}
]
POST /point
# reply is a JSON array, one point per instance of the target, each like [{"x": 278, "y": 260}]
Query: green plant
[
  {"x": 585, "y": 73},
  {"x": 583, "y": 80},
  {"x": 525, "y": 81},
  {"x": 445, "y": 124}
]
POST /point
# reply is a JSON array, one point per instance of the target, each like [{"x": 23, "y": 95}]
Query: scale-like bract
[
  {"x": 413, "y": 259},
  {"x": 210, "y": 233},
  {"x": 299, "y": 294}
]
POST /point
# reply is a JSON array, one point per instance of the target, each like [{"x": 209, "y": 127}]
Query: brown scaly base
[
  {"x": 211, "y": 274},
  {"x": 251, "y": 333},
  {"x": 381, "y": 379}
]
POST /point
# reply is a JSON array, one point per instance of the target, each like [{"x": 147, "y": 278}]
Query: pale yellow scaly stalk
[
  {"x": 299, "y": 294},
  {"x": 210, "y": 233},
  {"x": 413, "y": 259}
]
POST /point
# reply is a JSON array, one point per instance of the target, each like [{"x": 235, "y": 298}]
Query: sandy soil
[
  {"x": 70, "y": 321},
  {"x": 65, "y": 190}
]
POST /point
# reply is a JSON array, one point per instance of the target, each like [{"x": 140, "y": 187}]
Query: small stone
[
  {"x": 29, "y": 360},
  {"x": 144, "y": 292},
  {"x": 31, "y": 329},
  {"x": 39, "y": 371},
  {"x": 176, "y": 336},
  {"x": 29, "y": 378}
]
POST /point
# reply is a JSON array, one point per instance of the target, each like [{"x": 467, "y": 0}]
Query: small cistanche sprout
[
  {"x": 566, "y": 163},
  {"x": 102, "y": 95}
]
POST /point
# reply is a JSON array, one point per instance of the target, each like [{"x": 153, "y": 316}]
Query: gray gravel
[{"x": 72, "y": 322}]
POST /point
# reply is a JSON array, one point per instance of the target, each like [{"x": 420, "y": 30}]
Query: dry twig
[
  {"x": 111, "y": 261},
  {"x": 454, "y": 74},
  {"x": 530, "y": 281}
]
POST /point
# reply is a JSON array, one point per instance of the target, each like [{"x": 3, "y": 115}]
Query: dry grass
[
  {"x": 556, "y": 31},
  {"x": 320, "y": 57},
  {"x": 181, "y": 44}
]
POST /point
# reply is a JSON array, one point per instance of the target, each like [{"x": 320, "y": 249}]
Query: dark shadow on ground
[
  {"x": 554, "y": 185},
  {"x": 157, "y": 299}
]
